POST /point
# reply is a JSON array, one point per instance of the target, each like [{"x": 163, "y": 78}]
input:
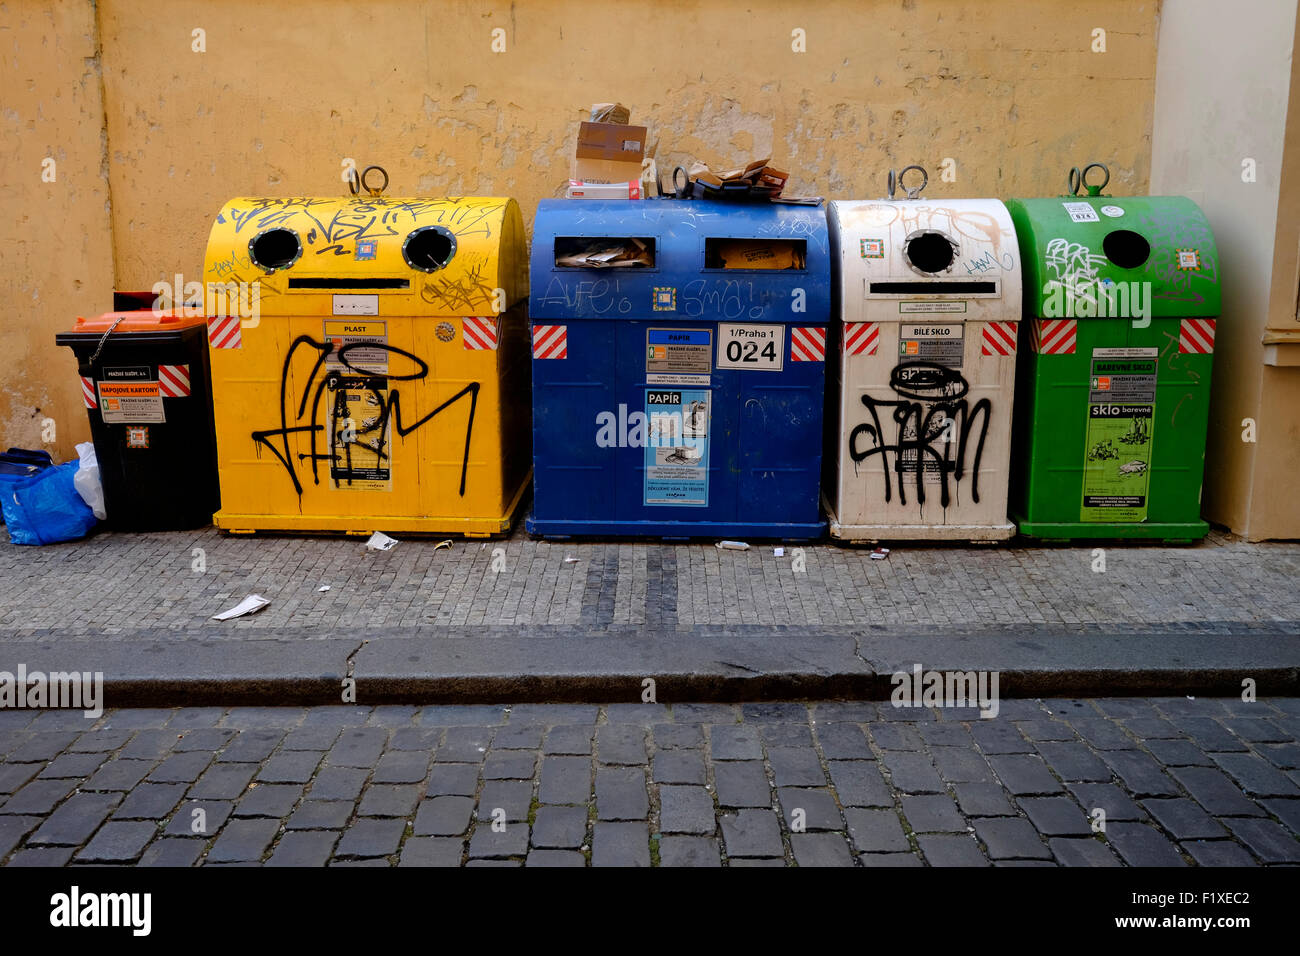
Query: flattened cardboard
[{"x": 759, "y": 254}]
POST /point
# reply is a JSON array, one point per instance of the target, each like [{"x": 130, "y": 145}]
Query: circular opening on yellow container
[
  {"x": 275, "y": 249},
  {"x": 429, "y": 248}
]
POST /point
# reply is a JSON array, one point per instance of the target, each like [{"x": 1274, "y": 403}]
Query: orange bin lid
[{"x": 144, "y": 320}]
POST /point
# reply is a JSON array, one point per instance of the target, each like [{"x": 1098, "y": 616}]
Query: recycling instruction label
[
  {"x": 360, "y": 450},
  {"x": 677, "y": 447},
  {"x": 678, "y": 356},
  {"x": 941, "y": 344},
  {"x": 362, "y": 341},
  {"x": 1117, "y": 452},
  {"x": 131, "y": 402}
]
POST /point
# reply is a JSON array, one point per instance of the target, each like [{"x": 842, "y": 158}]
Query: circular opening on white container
[{"x": 930, "y": 252}]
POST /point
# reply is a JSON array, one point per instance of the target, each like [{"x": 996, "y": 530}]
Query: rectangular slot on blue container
[
  {"x": 755, "y": 255},
  {"x": 604, "y": 252}
]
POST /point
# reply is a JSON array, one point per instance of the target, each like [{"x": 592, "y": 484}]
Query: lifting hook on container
[
  {"x": 357, "y": 182},
  {"x": 1077, "y": 179},
  {"x": 911, "y": 192}
]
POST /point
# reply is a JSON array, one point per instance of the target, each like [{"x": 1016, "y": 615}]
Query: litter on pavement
[
  {"x": 380, "y": 542},
  {"x": 249, "y": 605}
]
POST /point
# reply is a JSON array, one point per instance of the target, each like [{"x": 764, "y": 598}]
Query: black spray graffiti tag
[
  {"x": 389, "y": 407},
  {"x": 938, "y": 429}
]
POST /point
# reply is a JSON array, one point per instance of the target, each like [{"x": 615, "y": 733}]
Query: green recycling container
[{"x": 1113, "y": 383}]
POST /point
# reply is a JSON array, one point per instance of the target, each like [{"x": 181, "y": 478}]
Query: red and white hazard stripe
[
  {"x": 861, "y": 338},
  {"x": 223, "y": 333},
  {"x": 88, "y": 391},
  {"x": 807, "y": 344},
  {"x": 174, "y": 381},
  {"x": 999, "y": 338},
  {"x": 480, "y": 332},
  {"x": 1054, "y": 336},
  {"x": 550, "y": 341},
  {"x": 1196, "y": 337}
]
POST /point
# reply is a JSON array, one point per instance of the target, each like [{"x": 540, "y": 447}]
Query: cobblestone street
[{"x": 1110, "y": 782}]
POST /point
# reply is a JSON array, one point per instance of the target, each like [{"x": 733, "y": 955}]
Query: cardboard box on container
[
  {"x": 588, "y": 190},
  {"x": 608, "y": 153}
]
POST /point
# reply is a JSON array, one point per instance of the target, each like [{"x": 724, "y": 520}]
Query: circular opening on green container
[
  {"x": 929, "y": 252},
  {"x": 275, "y": 249},
  {"x": 429, "y": 248},
  {"x": 1126, "y": 248}
]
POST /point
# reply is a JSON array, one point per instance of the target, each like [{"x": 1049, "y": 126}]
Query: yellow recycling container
[{"x": 370, "y": 364}]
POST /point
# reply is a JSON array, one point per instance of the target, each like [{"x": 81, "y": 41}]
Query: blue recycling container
[{"x": 679, "y": 365}]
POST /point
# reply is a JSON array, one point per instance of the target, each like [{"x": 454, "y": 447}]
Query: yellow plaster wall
[
  {"x": 1011, "y": 92},
  {"x": 56, "y": 239}
]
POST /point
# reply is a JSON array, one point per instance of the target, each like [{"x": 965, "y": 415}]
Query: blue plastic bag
[
  {"x": 46, "y": 508},
  {"x": 18, "y": 464}
]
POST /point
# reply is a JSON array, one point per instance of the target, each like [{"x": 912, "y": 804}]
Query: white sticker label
[
  {"x": 1113, "y": 211},
  {"x": 356, "y": 304},
  {"x": 1125, "y": 353},
  {"x": 931, "y": 305},
  {"x": 753, "y": 347},
  {"x": 695, "y": 381},
  {"x": 1081, "y": 211}
]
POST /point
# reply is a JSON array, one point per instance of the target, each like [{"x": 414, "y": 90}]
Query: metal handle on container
[
  {"x": 1079, "y": 178},
  {"x": 910, "y": 192},
  {"x": 357, "y": 182}
]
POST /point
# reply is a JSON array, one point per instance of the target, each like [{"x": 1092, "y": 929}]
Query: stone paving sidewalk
[
  {"x": 147, "y": 585},
  {"x": 1198, "y": 782}
]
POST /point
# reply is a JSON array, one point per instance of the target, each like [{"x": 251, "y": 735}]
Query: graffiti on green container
[{"x": 1184, "y": 261}]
